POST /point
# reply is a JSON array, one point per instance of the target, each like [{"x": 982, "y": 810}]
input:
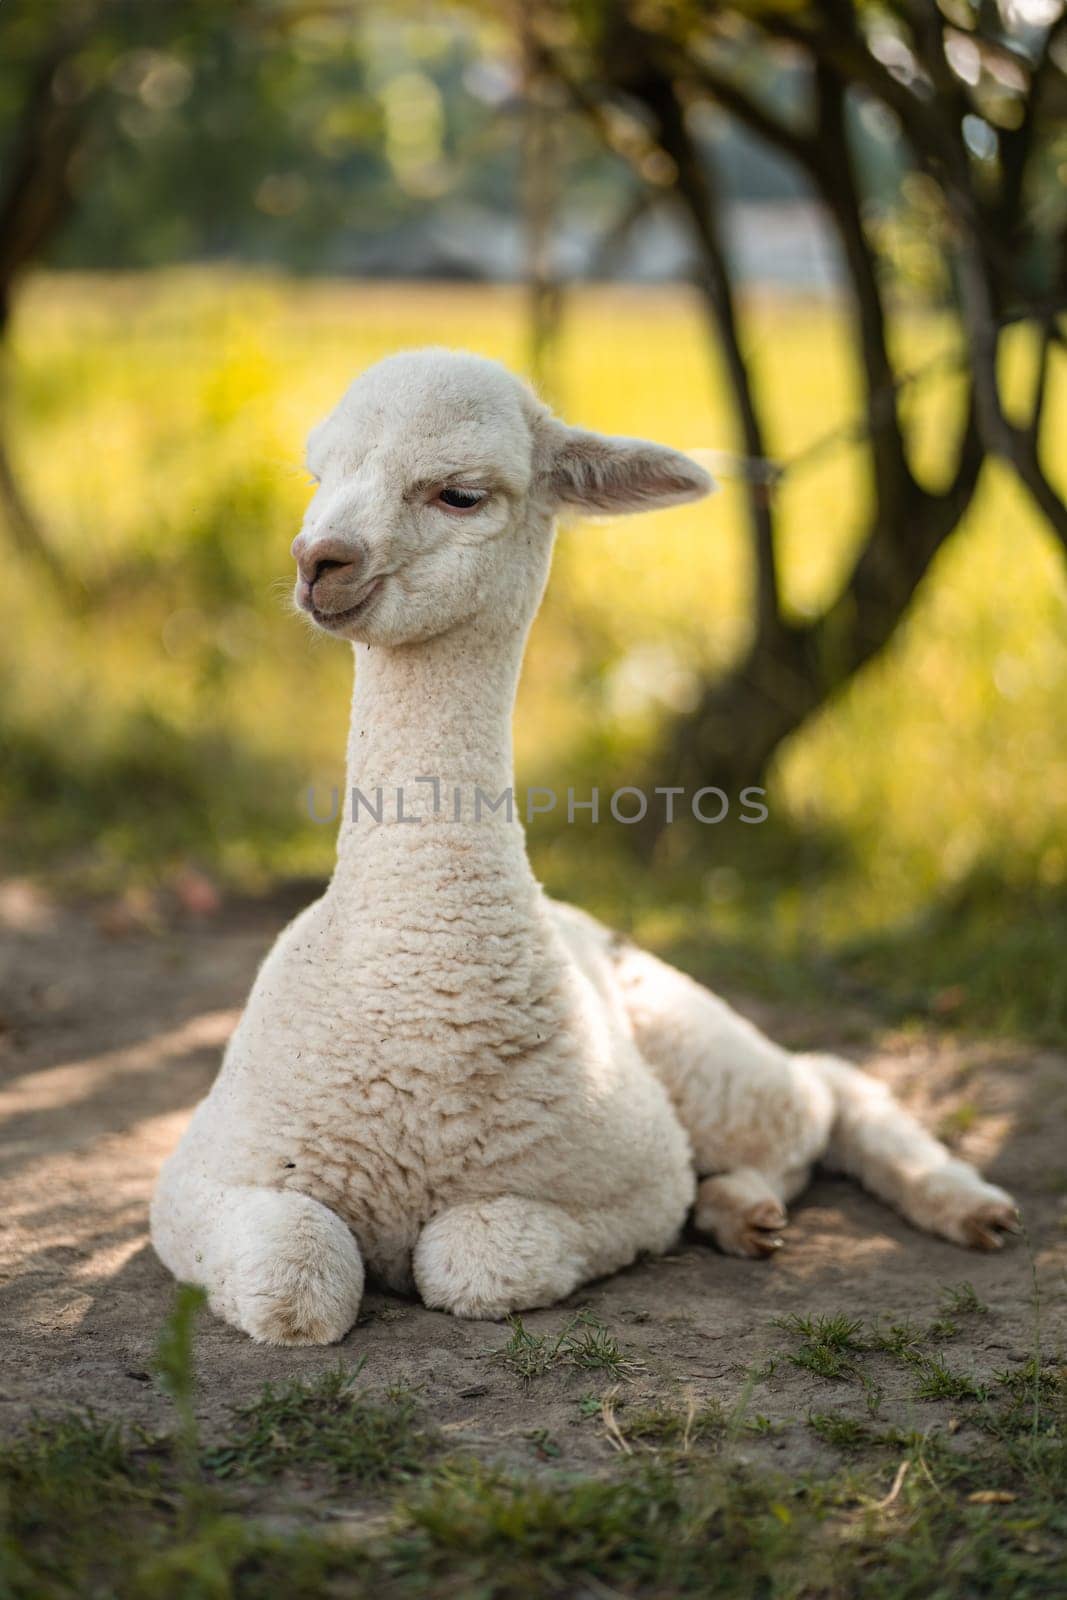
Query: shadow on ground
[{"x": 110, "y": 1032}]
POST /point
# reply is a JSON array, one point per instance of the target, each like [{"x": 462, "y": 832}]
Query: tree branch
[
  {"x": 656, "y": 93},
  {"x": 844, "y": 48},
  {"x": 1017, "y": 144},
  {"x": 837, "y": 183},
  {"x": 615, "y": 238},
  {"x": 1019, "y": 447},
  {"x": 802, "y": 147},
  {"x": 36, "y": 196},
  {"x": 703, "y": 207},
  {"x": 824, "y": 155},
  {"x": 1041, "y": 381}
]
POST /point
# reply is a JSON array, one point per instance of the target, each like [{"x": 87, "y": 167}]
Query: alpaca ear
[{"x": 597, "y": 472}]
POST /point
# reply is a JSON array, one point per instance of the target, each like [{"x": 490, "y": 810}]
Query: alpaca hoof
[
  {"x": 759, "y": 1231},
  {"x": 740, "y": 1226},
  {"x": 961, "y": 1206},
  {"x": 987, "y": 1225}
]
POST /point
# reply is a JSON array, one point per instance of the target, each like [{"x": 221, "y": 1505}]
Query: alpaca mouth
[{"x": 340, "y": 619}]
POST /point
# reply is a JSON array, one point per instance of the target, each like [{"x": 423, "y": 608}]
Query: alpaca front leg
[
  {"x": 488, "y": 1258},
  {"x": 276, "y": 1264}
]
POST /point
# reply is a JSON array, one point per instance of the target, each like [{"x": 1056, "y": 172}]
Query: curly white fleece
[{"x": 440, "y": 1073}]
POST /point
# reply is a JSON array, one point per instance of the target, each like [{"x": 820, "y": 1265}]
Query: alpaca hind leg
[
  {"x": 875, "y": 1140},
  {"x": 757, "y": 1116},
  {"x": 741, "y": 1212},
  {"x": 277, "y": 1264}
]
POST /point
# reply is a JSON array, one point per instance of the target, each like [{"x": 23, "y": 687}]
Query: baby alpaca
[{"x": 440, "y": 1073}]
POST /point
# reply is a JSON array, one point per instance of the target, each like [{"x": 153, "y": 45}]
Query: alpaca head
[{"x": 438, "y": 478}]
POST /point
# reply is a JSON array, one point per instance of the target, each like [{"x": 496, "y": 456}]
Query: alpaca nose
[{"x": 325, "y": 555}]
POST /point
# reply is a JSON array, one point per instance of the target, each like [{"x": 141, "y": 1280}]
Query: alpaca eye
[{"x": 461, "y": 499}]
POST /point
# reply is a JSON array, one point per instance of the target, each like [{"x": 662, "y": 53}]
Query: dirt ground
[{"x": 112, "y": 1019}]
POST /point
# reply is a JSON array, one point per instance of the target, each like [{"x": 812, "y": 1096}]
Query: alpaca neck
[{"x": 437, "y": 710}]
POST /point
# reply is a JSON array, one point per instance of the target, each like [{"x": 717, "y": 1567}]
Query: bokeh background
[{"x": 213, "y": 215}]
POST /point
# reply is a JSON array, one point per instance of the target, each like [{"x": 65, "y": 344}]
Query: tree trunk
[
  {"x": 34, "y": 203},
  {"x": 37, "y": 197},
  {"x": 742, "y": 719},
  {"x": 791, "y": 669}
]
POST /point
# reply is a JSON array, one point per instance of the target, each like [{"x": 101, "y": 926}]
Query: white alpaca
[{"x": 440, "y": 1073}]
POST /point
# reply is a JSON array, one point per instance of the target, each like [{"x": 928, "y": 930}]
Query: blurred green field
[{"x": 916, "y": 848}]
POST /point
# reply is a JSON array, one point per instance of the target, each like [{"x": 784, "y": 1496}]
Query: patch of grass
[
  {"x": 938, "y": 1382},
  {"x": 873, "y": 1395},
  {"x": 588, "y": 1346},
  {"x": 961, "y": 1300},
  {"x": 850, "y": 1434},
  {"x": 90, "y": 1511},
  {"x": 901, "y": 1340},
  {"x": 64, "y": 1483},
  {"x": 1042, "y": 1384},
  {"x": 70, "y": 1459},
  {"x": 824, "y": 1360},
  {"x": 648, "y": 1532},
  {"x": 175, "y": 1370},
  {"x": 943, "y": 1328},
  {"x": 829, "y": 1343},
  {"x": 583, "y": 1344},
  {"x": 844, "y": 1433},
  {"x": 906, "y": 1341},
  {"x": 67, "y": 1480},
  {"x": 839, "y": 1332},
  {"x": 84, "y": 1513},
  {"x": 543, "y": 1445},
  {"x": 528, "y": 1355},
  {"x": 829, "y": 1347},
  {"x": 87, "y": 1514},
  {"x": 667, "y": 1427},
  {"x": 1029, "y": 1401},
  {"x": 760, "y": 1426},
  {"x": 326, "y": 1426}
]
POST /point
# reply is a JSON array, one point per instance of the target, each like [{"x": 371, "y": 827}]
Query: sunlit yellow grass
[{"x": 158, "y": 427}]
